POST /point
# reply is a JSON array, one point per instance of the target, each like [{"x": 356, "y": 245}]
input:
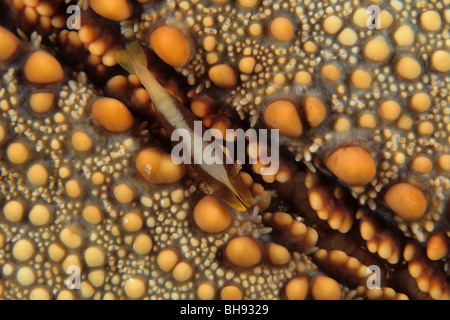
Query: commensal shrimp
[{"x": 222, "y": 179}]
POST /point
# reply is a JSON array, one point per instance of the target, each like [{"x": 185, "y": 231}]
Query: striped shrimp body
[{"x": 221, "y": 178}]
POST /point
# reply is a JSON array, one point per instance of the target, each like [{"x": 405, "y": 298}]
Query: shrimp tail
[{"x": 133, "y": 56}]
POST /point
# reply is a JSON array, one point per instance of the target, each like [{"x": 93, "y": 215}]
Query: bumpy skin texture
[
  {"x": 76, "y": 194},
  {"x": 355, "y": 73}
]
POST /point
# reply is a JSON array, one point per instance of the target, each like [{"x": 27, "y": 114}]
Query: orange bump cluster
[
  {"x": 9, "y": 44},
  {"x": 231, "y": 292},
  {"x": 282, "y": 29},
  {"x": 42, "y": 68},
  {"x": 39, "y": 215},
  {"x": 319, "y": 287},
  {"x": 223, "y": 76},
  {"x": 92, "y": 214},
  {"x": 73, "y": 188},
  {"x": 143, "y": 244},
  {"x": 211, "y": 215},
  {"x": 340, "y": 262},
  {"x": 37, "y": 174},
  {"x": 248, "y": 4},
  {"x": 112, "y": 114},
  {"x": 420, "y": 102},
  {"x": 361, "y": 79},
  {"x": 379, "y": 241},
  {"x": 390, "y": 110},
  {"x": 330, "y": 209},
  {"x": 117, "y": 10},
  {"x": 404, "y": 36},
  {"x": 81, "y": 141},
  {"x": 182, "y": 271},
  {"x": 101, "y": 46},
  {"x": 430, "y": 20},
  {"x": 171, "y": 45},
  {"x": 42, "y": 102},
  {"x": 377, "y": 50},
  {"x": 17, "y": 153},
  {"x": 422, "y": 164},
  {"x": 408, "y": 68},
  {"x": 123, "y": 193},
  {"x": 134, "y": 288},
  {"x": 277, "y": 254},
  {"x": 132, "y": 222},
  {"x": 71, "y": 237},
  {"x": 167, "y": 259},
  {"x": 206, "y": 291},
  {"x": 283, "y": 115},
  {"x": 406, "y": 200},
  {"x": 352, "y": 164},
  {"x": 315, "y": 110},
  {"x": 13, "y": 211},
  {"x": 156, "y": 166},
  {"x": 325, "y": 288},
  {"x": 297, "y": 288},
  {"x": 243, "y": 252},
  {"x": 427, "y": 279},
  {"x": 437, "y": 246},
  {"x": 294, "y": 231},
  {"x": 441, "y": 60},
  {"x": 331, "y": 72}
]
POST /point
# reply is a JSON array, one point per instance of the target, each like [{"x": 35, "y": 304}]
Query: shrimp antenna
[{"x": 134, "y": 54}]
